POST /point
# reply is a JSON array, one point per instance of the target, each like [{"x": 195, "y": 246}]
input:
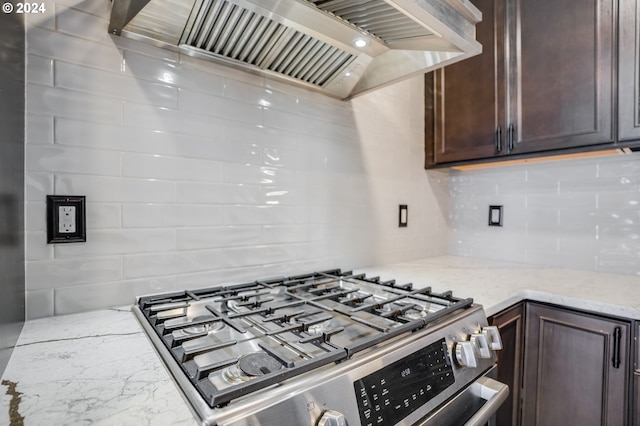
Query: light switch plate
[
  {"x": 403, "y": 216},
  {"x": 495, "y": 215},
  {"x": 66, "y": 219}
]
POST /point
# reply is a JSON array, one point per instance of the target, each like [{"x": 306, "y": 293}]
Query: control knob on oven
[
  {"x": 465, "y": 354},
  {"x": 493, "y": 337},
  {"x": 332, "y": 418},
  {"x": 481, "y": 345}
]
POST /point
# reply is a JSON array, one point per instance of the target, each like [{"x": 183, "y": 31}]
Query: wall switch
[
  {"x": 495, "y": 215},
  {"x": 403, "y": 216},
  {"x": 66, "y": 219}
]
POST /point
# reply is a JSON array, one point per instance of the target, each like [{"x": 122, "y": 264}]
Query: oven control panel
[{"x": 397, "y": 390}]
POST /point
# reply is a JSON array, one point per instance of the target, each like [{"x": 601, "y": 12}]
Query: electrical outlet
[{"x": 66, "y": 219}]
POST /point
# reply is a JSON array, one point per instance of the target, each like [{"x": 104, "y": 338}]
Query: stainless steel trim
[
  {"x": 484, "y": 388},
  {"x": 494, "y": 392}
]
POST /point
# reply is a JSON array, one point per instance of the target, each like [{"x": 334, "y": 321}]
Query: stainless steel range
[{"x": 326, "y": 348}]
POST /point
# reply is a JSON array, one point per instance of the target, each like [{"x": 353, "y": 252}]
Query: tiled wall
[
  {"x": 196, "y": 174},
  {"x": 582, "y": 213},
  {"x": 12, "y": 294}
]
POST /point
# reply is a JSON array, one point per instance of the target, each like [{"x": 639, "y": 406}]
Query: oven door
[{"x": 474, "y": 406}]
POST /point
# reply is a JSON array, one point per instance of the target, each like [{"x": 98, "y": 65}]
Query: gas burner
[
  {"x": 198, "y": 329},
  {"x": 319, "y": 328},
  {"x": 258, "y": 364},
  {"x": 416, "y": 314},
  {"x": 250, "y": 366}
]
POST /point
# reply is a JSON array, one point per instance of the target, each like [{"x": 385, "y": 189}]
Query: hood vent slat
[
  {"x": 378, "y": 19},
  {"x": 226, "y": 29}
]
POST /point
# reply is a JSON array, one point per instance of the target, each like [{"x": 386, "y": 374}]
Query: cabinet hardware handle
[
  {"x": 499, "y": 139},
  {"x": 510, "y": 138},
  {"x": 617, "y": 336}
]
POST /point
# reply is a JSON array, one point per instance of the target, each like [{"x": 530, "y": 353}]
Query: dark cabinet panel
[
  {"x": 576, "y": 368},
  {"x": 562, "y": 73},
  {"x": 544, "y": 83},
  {"x": 466, "y": 99},
  {"x": 510, "y": 359},
  {"x": 629, "y": 71}
]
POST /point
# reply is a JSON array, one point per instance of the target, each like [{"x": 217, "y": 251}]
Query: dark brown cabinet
[
  {"x": 564, "y": 367},
  {"x": 544, "y": 82},
  {"x": 465, "y": 101},
  {"x": 629, "y": 71},
  {"x": 510, "y": 323},
  {"x": 576, "y": 368}
]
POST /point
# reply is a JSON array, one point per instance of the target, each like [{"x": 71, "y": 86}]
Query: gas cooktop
[{"x": 237, "y": 348}]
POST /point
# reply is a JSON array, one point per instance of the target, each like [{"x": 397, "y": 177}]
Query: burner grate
[{"x": 291, "y": 325}]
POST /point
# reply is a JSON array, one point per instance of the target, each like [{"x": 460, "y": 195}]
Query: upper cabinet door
[
  {"x": 464, "y": 102},
  {"x": 629, "y": 71},
  {"x": 561, "y": 82}
]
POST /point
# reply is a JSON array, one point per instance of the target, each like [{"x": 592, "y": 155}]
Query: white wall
[
  {"x": 582, "y": 214},
  {"x": 197, "y": 174}
]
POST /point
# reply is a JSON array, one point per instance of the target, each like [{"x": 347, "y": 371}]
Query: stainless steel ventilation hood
[{"x": 339, "y": 47}]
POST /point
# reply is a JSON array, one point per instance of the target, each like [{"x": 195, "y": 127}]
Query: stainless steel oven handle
[{"x": 494, "y": 392}]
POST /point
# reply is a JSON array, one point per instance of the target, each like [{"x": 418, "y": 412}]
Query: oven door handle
[{"x": 492, "y": 391}]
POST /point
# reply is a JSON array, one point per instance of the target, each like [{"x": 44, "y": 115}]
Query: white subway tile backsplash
[
  {"x": 134, "y": 47},
  {"x": 34, "y": 213},
  {"x": 241, "y": 173},
  {"x": 37, "y": 185},
  {"x": 96, "y": 296},
  {"x": 217, "y": 193},
  {"x": 219, "y": 149},
  {"x": 39, "y": 303},
  {"x": 219, "y": 107},
  {"x": 116, "y": 137},
  {"x": 170, "y": 168},
  {"x": 81, "y": 24},
  {"x": 36, "y": 246},
  {"x": 103, "y": 215},
  {"x": 197, "y": 174},
  {"x": 108, "y": 84},
  {"x": 72, "y": 160},
  {"x": 257, "y": 95},
  {"x": 66, "y": 103},
  {"x": 119, "y": 241},
  {"x": 578, "y": 214},
  {"x": 152, "y": 68},
  {"x": 220, "y": 236},
  {"x": 260, "y": 214},
  {"x": 58, "y": 273},
  {"x": 40, "y": 70},
  {"x": 170, "y": 215},
  {"x": 56, "y": 45},
  {"x": 284, "y": 234},
  {"x": 115, "y": 189},
  {"x": 172, "y": 121},
  {"x": 39, "y": 129},
  {"x": 162, "y": 264},
  {"x": 622, "y": 200}
]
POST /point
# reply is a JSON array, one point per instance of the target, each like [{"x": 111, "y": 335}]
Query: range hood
[{"x": 339, "y": 47}]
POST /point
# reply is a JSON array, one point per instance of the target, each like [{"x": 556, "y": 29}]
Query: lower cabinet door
[{"x": 576, "y": 368}]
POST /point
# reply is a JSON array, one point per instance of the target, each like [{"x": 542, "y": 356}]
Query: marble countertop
[
  {"x": 498, "y": 285},
  {"x": 99, "y": 368}
]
